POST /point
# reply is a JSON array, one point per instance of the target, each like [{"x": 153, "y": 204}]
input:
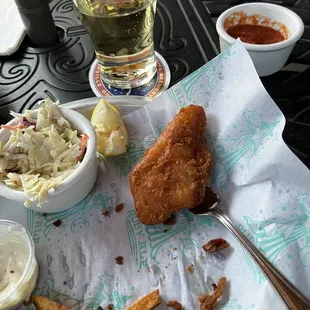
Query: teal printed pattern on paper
[
  {"x": 136, "y": 148},
  {"x": 246, "y": 147},
  {"x": 273, "y": 237},
  {"x": 256, "y": 272},
  {"x": 231, "y": 304},
  {"x": 176, "y": 96},
  {"x": 208, "y": 71},
  {"x": 40, "y": 226},
  {"x": 107, "y": 292},
  {"x": 159, "y": 127},
  {"x": 146, "y": 241}
]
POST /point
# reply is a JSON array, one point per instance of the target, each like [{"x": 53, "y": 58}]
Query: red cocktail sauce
[{"x": 255, "y": 34}]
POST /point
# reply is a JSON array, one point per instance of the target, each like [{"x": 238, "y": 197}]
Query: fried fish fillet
[{"x": 174, "y": 172}]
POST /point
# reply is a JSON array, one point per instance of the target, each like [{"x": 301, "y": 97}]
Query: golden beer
[{"x": 122, "y": 34}]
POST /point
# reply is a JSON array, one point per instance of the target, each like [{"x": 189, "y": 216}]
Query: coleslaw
[{"x": 43, "y": 149}]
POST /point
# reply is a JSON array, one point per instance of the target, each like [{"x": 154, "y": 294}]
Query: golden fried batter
[
  {"x": 174, "y": 172},
  {"x": 208, "y": 302},
  {"x": 43, "y": 303},
  {"x": 175, "y": 305},
  {"x": 147, "y": 302}
]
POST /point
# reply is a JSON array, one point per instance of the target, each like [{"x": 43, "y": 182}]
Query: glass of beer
[{"x": 122, "y": 34}]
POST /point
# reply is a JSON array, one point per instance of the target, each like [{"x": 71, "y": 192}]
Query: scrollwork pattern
[
  {"x": 65, "y": 6},
  {"x": 179, "y": 68},
  {"x": 14, "y": 74},
  {"x": 76, "y": 60},
  {"x": 168, "y": 41}
]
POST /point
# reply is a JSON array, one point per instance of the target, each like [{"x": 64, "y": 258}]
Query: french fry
[
  {"x": 148, "y": 302},
  {"x": 43, "y": 303}
]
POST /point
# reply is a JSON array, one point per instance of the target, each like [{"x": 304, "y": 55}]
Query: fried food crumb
[
  {"x": 110, "y": 307},
  {"x": 42, "y": 303},
  {"x": 175, "y": 305},
  {"x": 214, "y": 286},
  {"x": 44, "y": 214},
  {"x": 190, "y": 268},
  {"x": 119, "y": 260},
  {"x": 106, "y": 212},
  {"x": 57, "y": 223},
  {"x": 119, "y": 207},
  {"x": 215, "y": 245},
  {"x": 170, "y": 221},
  {"x": 27, "y": 302},
  {"x": 147, "y": 302},
  {"x": 208, "y": 302}
]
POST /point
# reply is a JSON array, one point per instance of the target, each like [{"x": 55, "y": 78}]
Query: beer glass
[{"x": 122, "y": 35}]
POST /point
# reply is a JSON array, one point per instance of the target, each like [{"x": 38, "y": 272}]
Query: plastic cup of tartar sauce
[{"x": 18, "y": 265}]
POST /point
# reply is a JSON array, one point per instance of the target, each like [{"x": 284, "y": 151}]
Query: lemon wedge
[{"x": 112, "y": 135}]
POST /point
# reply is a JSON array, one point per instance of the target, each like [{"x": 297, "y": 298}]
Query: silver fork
[{"x": 293, "y": 298}]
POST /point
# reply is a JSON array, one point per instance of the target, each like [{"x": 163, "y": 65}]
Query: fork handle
[{"x": 293, "y": 298}]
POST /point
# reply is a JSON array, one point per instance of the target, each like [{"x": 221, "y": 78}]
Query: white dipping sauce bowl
[
  {"x": 22, "y": 289},
  {"x": 75, "y": 187},
  {"x": 267, "y": 58}
]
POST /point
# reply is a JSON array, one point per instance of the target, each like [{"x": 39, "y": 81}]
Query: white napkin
[
  {"x": 11, "y": 27},
  {"x": 265, "y": 189}
]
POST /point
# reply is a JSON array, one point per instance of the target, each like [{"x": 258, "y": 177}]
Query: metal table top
[{"x": 61, "y": 71}]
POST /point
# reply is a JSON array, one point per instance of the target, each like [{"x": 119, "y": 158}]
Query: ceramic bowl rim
[
  {"x": 261, "y": 47},
  {"x": 68, "y": 182}
]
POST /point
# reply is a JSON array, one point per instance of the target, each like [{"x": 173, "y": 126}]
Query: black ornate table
[
  {"x": 184, "y": 34},
  {"x": 61, "y": 71}
]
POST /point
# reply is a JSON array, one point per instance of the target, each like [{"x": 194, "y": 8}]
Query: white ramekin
[
  {"x": 74, "y": 188},
  {"x": 24, "y": 287},
  {"x": 267, "y": 58}
]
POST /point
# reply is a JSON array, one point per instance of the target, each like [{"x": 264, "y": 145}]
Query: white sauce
[{"x": 14, "y": 255}]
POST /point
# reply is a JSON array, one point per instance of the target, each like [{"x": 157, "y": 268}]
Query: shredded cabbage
[{"x": 42, "y": 151}]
